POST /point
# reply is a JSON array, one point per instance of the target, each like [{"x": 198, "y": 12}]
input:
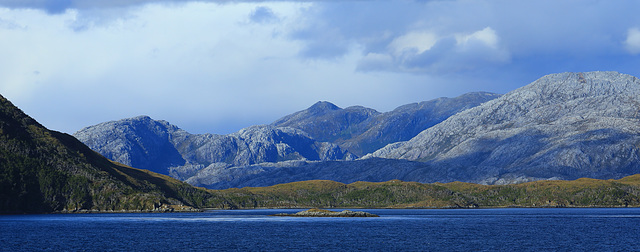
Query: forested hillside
[{"x": 47, "y": 171}]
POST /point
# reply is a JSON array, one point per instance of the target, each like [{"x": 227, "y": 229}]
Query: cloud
[
  {"x": 416, "y": 42},
  {"x": 57, "y": 7},
  {"x": 444, "y": 37},
  {"x": 53, "y": 6},
  {"x": 486, "y": 37},
  {"x": 330, "y": 44},
  {"x": 426, "y": 52},
  {"x": 263, "y": 14},
  {"x": 375, "y": 62},
  {"x": 416, "y": 37},
  {"x": 330, "y": 29},
  {"x": 213, "y": 67},
  {"x": 632, "y": 43},
  {"x": 9, "y": 25},
  {"x": 196, "y": 59},
  {"x": 201, "y": 67}
]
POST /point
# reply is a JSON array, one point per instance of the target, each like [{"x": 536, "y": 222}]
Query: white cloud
[
  {"x": 482, "y": 47},
  {"x": 202, "y": 57},
  {"x": 414, "y": 42},
  {"x": 487, "y": 36},
  {"x": 632, "y": 43},
  {"x": 427, "y": 52}
]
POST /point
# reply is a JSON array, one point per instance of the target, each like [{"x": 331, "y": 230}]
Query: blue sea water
[{"x": 589, "y": 229}]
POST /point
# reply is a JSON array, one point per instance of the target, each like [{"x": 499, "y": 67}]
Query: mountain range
[
  {"x": 323, "y": 132},
  {"x": 164, "y": 148},
  {"x": 562, "y": 126},
  {"x": 45, "y": 171}
]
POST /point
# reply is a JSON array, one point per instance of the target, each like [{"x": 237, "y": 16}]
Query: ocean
[{"x": 509, "y": 229}]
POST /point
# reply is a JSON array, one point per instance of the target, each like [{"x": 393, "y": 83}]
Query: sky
[{"x": 219, "y": 66}]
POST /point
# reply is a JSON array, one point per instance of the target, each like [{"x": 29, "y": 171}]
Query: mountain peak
[
  {"x": 141, "y": 118},
  {"x": 323, "y": 106},
  {"x": 582, "y": 84}
]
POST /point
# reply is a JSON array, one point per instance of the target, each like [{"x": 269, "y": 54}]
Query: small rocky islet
[{"x": 315, "y": 212}]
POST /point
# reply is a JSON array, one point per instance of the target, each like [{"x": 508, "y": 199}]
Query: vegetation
[
  {"x": 624, "y": 192},
  {"x": 48, "y": 171}
]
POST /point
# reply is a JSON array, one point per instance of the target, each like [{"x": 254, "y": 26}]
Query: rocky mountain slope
[
  {"x": 46, "y": 171},
  {"x": 325, "y": 121},
  {"x": 567, "y": 125},
  {"x": 363, "y": 130},
  {"x": 139, "y": 142},
  {"x": 268, "y": 174},
  {"x": 562, "y": 126},
  {"x": 164, "y": 148}
]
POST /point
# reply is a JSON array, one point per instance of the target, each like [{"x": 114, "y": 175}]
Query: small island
[{"x": 315, "y": 212}]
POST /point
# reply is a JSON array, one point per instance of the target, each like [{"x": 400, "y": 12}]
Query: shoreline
[
  {"x": 418, "y": 208},
  {"x": 202, "y": 210}
]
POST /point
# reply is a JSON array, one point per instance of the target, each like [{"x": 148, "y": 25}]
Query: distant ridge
[{"x": 363, "y": 130}]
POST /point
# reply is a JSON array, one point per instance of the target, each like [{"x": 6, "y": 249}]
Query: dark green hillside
[{"x": 46, "y": 171}]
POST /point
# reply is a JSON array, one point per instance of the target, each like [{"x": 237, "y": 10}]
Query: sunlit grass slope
[{"x": 624, "y": 192}]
